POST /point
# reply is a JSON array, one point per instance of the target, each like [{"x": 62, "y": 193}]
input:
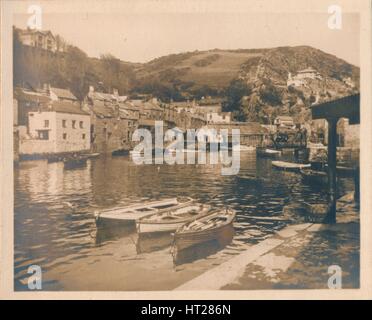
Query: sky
[{"x": 139, "y": 34}]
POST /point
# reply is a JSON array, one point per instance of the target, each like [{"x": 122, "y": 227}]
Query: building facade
[
  {"x": 40, "y": 39},
  {"x": 113, "y": 121},
  {"x": 58, "y": 127},
  {"x": 251, "y": 133}
]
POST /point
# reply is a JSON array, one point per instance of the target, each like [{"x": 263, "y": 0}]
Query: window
[
  {"x": 43, "y": 134},
  {"x": 81, "y": 124},
  {"x": 83, "y": 136},
  {"x": 64, "y": 123},
  {"x": 46, "y": 123},
  {"x": 73, "y": 124},
  {"x": 64, "y": 136}
]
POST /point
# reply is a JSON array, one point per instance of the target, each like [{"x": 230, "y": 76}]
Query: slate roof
[
  {"x": 64, "y": 107},
  {"x": 25, "y": 95},
  {"x": 63, "y": 93}
]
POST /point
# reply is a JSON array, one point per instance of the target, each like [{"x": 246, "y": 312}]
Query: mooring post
[
  {"x": 357, "y": 185},
  {"x": 332, "y": 161}
]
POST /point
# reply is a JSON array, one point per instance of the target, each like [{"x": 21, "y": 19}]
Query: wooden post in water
[{"x": 332, "y": 161}]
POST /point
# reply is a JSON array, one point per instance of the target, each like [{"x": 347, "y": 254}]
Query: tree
[{"x": 234, "y": 93}]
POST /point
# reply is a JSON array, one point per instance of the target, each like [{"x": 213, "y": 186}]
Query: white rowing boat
[
  {"x": 271, "y": 153},
  {"x": 211, "y": 227},
  {"x": 290, "y": 166},
  {"x": 241, "y": 147},
  {"x": 119, "y": 215},
  {"x": 171, "y": 220}
]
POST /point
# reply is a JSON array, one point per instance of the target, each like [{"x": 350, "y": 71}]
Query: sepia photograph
[{"x": 185, "y": 146}]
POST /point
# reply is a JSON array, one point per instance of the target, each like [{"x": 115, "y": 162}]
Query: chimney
[
  {"x": 46, "y": 88},
  {"x": 91, "y": 89}
]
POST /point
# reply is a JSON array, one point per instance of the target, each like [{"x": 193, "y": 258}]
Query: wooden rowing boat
[
  {"x": 314, "y": 176},
  {"x": 55, "y": 158},
  {"x": 129, "y": 214},
  {"x": 91, "y": 155},
  {"x": 207, "y": 228},
  {"x": 120, "y": 152},
  {"x": 75, "y": 162},
  {"x": 270, "y": 153},
  {"x": 290, "y": 166},
  {"x": 241, "y": 147},
  {"x": 171, "y": 220}
]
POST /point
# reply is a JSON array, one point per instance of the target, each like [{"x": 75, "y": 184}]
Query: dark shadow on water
[
  {"x": 153, "y": 241},
  {"x": 104, "y": 234},
  {"x": 338, "y": 245}
]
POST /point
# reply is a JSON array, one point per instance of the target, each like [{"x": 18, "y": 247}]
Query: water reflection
[{"x": 54, "y": 220}]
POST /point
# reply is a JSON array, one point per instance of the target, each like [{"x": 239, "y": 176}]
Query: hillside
[
  {"x": 194, "y": 71},
  {"x": 254, "y": 81}
]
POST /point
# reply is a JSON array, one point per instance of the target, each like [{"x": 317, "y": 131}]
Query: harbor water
[{"x": 55, "y": 228}]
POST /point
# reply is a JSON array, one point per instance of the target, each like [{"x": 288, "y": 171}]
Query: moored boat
[
  {"x": 241, "y": 147},
  {"x": 314, "y": 176},
  {"x": 75, "y": 162},
  {"x": 290, "y": 166},
  {"x": 120, "y": 152},
  {"x": 214, "y": 226},
  {"x": 270, "y": 153},
  {"x": 117, "y": 216},
  {"x": 91, "y": 155},
  {"x": 171, "y": 220},
  {"x": 55, "y": 158}
]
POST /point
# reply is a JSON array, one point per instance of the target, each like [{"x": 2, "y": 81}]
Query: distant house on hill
[
  {"x": 41, "y": 39},
  {"x": 299, "y": 79}
]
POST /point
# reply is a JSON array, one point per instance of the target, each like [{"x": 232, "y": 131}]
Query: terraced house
[{"x": 113, "y": 121}]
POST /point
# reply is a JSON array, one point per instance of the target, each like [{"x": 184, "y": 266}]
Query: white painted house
[
  {"x": 57, "y": 128},
  {"x": 300, "y": 78}
]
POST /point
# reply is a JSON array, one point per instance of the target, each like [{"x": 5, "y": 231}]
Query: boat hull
[
  {"x": 158, "y": 227},
  {"x": 314, "y": 177},
  {"x": 130, "y": 214},
  {"x": 185, "y": 241},
  {"x": 73, "y": 164},
  {"x": 110, "y": 223},
  {"x": 289, "y": 166},
  {"x": 185, "y": 238},
  {"x": 265, "y": 153},
  {"x": 156, "y": 223}
]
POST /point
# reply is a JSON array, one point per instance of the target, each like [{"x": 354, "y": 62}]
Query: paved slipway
[{"x": 296, "y": 257}]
